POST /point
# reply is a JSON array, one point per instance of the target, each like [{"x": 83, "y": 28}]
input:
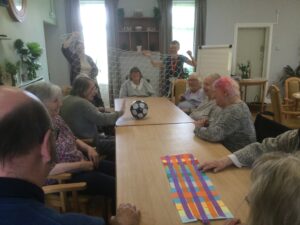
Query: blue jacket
[{"x": 22, "y": 203}]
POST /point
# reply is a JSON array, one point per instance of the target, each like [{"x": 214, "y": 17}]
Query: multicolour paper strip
[{"x": 192, "y": 191}]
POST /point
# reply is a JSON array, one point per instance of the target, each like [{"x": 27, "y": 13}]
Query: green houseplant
[
  {"x": 245, "y": 69},
  {"x": 288, "y": 72},
  {"x": 29, "y": 54},
  {"x": 12, "y": 70}
]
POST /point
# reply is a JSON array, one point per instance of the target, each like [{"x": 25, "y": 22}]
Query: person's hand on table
[
  {"x": 201, "y": 123},
  {"x": 216, "y": 165},
  {"x": 127, "y": 214}
]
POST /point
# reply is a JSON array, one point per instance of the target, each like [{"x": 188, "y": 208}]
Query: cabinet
[{"x": 138, "y": 31}]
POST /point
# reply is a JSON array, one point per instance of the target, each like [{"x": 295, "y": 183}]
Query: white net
[{"x": 159, "y": 75}]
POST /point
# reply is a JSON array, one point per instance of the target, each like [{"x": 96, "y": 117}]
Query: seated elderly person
[
  {"x": 136, "y": 85},
  {"x": 73, "y": 155},
  {"x": 84, "y": 118},
  {"x": 274, "y": 196},
  {"x": 288, "y": 142},
  {"x": 193, "y": 96},
  {"x": 27, "y": 154},
  {"x": 234, "y": 129},
  {"x": 208, "y": 109}
]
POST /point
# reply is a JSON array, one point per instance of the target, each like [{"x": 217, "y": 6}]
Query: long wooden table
[
  {"x": 161, "y": 111},
  {"x": 141, "y": 179}
]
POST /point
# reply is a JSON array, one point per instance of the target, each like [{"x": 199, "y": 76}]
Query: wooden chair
[
  {"x": 178, "y": 89},
  {"x": 291, "y": 86},
  {"x": 56, "y": 195},
  {"x": 282, "y": 112},
  {"x": 66, "y": 90}
]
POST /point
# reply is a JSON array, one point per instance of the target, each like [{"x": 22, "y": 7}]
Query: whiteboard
[{"x": 214, "y": 59}]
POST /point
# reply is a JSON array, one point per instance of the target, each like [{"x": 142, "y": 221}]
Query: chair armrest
[
  {"x": 60, "y": 177},
  {"x": 293, "y": 113},
  {"x": 56, "y": 188}
]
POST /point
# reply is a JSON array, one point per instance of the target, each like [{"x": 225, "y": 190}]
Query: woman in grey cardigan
[
  {"x": 136, "y": 85},
  {"x": 233, "y": 127},
  {"x": 84, "y": 118}
]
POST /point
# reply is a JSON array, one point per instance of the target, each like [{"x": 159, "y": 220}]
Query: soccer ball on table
[{"x": 139, "y": 109}]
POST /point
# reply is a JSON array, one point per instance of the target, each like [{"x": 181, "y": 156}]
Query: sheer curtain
[{"x": 114, "y": 78}]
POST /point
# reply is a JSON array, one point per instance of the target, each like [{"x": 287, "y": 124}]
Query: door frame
[{"x": 268, "y": 45}]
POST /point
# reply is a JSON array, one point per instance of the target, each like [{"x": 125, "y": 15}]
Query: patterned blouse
[{"x": 66, "y": 148}]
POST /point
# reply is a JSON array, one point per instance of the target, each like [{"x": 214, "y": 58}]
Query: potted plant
[
  {"x": 12, "y": 70},
  {"x": 288, "y": 72},
  {"x": 29, "y": 55},
  {"x": 245, "y": 69}
]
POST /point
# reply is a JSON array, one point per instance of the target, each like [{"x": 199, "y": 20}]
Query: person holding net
[
  {"x": 81, "y": 64},
  {"x": 172, "y": 64}
]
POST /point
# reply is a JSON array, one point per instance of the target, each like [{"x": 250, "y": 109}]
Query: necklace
[{"x": 174, "y": 64}]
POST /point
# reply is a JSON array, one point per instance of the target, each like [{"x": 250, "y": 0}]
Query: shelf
[
  {"x": 147, "y": 35},
  {"x": 4, "y": 38},
  {"x": 26, "y": 83}
]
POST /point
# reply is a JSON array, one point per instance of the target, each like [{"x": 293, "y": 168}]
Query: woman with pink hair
[{"x": 233, "y": 127}]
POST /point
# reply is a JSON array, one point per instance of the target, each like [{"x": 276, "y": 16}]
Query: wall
[
  {"x": 57, "y": 64},
  {"x": 223, "y": 15},
  {"x": 31, "y": 30}
]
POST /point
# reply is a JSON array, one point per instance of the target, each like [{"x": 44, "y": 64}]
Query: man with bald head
[{"x": 26, "y": 157}]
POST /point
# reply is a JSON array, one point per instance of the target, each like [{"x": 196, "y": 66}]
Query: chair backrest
[
  {"x": 66, "y": 89},
  {"x": 276, "y": 102},
  {"x": 291, "y": 86},
  {"x": 265, "y": 127},
  {"x": 179, "y": 87}
]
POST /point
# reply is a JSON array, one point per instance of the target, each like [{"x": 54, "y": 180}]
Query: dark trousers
[
  {"x": 106, "y": 145},
  {"x": 100, "y": 181}
]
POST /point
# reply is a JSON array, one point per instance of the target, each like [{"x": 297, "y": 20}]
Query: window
[
  {"x": 93, "y": 19},
  {"x": 183, "y": 22}
]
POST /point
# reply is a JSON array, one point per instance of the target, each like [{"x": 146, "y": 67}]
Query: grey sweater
[
  {"x": 208, "y": 109},
  {"x": 286, "y": 142},
  {"x": 233, "y": 128},
  {"x": 83, "y": 117},
  {"x": 128, "y": 89}
]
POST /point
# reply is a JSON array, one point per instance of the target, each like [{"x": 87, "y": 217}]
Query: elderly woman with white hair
[
  {"x": 73, "y": 155},
  {"x": 193, "y": 96},
  {"x": 234, "y": 128},
  {"x": 274, "y": 197}
]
